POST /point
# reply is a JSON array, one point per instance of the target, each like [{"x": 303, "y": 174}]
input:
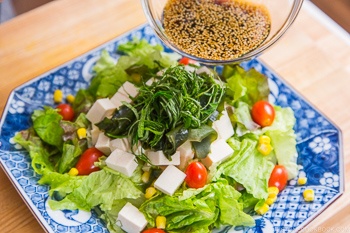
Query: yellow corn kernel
[
  {"x": 263, "y": 139},
  {"x": 57, "y": 96},
  {"x": 271, "y": 200},
  {"x": 263, "y": 209},
  {"x": 145, "y": 177},
  {"x": 273, "y": 191},
  {"x": 70, "y": 98},
  {"x": 264, "y": 148},
  {"x": 309, "y": 195},
  {"x": 81, "y": 132},
  {"x": 302, "y": 180},
  {"x": 73, "y": 172},
  {"x": 150, "y": 191},
  {"x": 160, "y": 222}
]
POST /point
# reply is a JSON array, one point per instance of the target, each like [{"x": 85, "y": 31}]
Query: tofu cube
[
  {"x": 150, "y": 81},
  {"x": 170, "y": 180},
  {"x": 128, "y": 89},
  {"x": 120, "y": 143},
  {"x": 118, "y": 98},
  {"x": 186, "y": 154},
  {"x": 122, "y": 161},
  {"x": 158, "y": 158},
  {"x": 223, "y": 126},
  {"x": 219, "y": 151},
  {"x": 130, "y": 219},
  {"x": 95, "y": 132},
  {"x": 102, "y": 144},
  {"x": 100, "y": 109}
]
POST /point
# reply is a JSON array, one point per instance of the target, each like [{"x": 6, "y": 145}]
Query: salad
[{"x": 162, "y": 144}]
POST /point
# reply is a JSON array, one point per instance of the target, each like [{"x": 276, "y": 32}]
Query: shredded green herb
[{"x": 180, "y": 100}]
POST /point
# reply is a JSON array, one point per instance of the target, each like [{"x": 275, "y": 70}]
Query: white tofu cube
[
  {"x": 118, "y": 98},
  {"x": 158, "y": 158},
  {"x": 150, "y": 81},
  {"x": 100, "y": 109},
  {"x": 130, "y": 219},
  {"x": 128, "y": 89},
  {"x": 119, "y": 143},
  {"x": 186, "y": 154},
  {"x": 122, "y": 161},
  {"x": 204, "y": 69},
  {"x": 170, "y": 180},
  {"x": 223, "y": 126},
  {"x": 102, "y": 144},
  {"x": 95, "y": 132},
  {"x": 219, "y": 151}
]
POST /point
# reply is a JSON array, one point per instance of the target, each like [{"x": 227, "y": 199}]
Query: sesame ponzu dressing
[{"x": 216, "y": 29}]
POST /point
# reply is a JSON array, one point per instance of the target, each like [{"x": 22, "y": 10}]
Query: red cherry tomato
[
  {"x": 85, "y": 164},
  {"x": 263, "y": 113},
  {"x": 196, "y": 175},
  {"x": 153, "y": 230},
  {"x": 186, "y": 61},
  {"x": 278, "y": 177},
  {"x": 66, "y": 112}
]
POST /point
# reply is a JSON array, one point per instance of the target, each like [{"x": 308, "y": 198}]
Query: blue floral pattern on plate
[{"x": 318, "y": 144}]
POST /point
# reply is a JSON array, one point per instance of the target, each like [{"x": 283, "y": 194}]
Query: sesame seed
[{"x": 216, "y": 29}]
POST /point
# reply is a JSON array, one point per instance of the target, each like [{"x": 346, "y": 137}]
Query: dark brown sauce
[{"x": 216, "y": 29}]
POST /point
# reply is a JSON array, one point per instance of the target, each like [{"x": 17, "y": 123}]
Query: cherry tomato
[
  {"x": 153, "y": 230},
  {"x": 278, "y": 177},
  {"x": 196, "y": 175},
  {"x": 186, "y": 61},
  {"x": 85, "y": 164},
  {"x": 66, "y": 112},
  {"x": 263, "y": 113}
]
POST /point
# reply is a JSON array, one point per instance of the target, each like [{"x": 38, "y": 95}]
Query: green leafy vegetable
[
  {"x": 198, "y": 210},
  {"x": 247, "y": 160},
  {"x": 179, "y": 99}
]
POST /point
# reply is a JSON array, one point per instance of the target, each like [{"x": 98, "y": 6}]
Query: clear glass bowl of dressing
[{"x": 220, "y": 31}]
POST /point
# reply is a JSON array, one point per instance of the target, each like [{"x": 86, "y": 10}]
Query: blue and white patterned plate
[{"x": 318, "y": 143}]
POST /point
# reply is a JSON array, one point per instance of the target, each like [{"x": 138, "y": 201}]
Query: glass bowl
[{"x": 167, "y": 24}]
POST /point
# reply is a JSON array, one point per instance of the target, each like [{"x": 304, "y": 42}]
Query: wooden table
[{"x": 313, "y": 56}]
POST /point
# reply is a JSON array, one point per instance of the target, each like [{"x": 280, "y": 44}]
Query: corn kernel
[
  {"x": 265, "y": 149},
  {"x": 145, "y": 177},
  {"x": 263, "y": 209},
  {"x": 81, "y": 132},
  {"x": 302, "y": 180},
  {"x": 150, "y": 191},
  {"x": 57, "y": 96},
  {"x": 309, "y": 195},
  {"x": 263, "y": 139},
  {"x": 271, "y": 200},
  {"x": 73, "y": 172},
  {"x": 70, "y": 98},
  {"x": 160, "y": 222},
  {"x": 273, "y": 191}
]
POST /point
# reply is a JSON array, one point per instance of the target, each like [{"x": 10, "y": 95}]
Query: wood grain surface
[{"x": 312, "y": 57}]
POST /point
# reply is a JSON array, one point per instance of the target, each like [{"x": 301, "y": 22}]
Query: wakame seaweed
[{"x": 162, "y": 114}]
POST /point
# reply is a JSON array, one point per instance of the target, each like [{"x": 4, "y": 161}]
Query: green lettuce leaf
[
  {"x": 247, "y": 160},
  {"x": 48, "y": 128},
  {"x": 283, "y": 140},
  {"x": 105, "y": 62},
  {"x": 199, "y": 210},
  {"x": 247, "y": 86},
  {"x": 101, "y": 188}
]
